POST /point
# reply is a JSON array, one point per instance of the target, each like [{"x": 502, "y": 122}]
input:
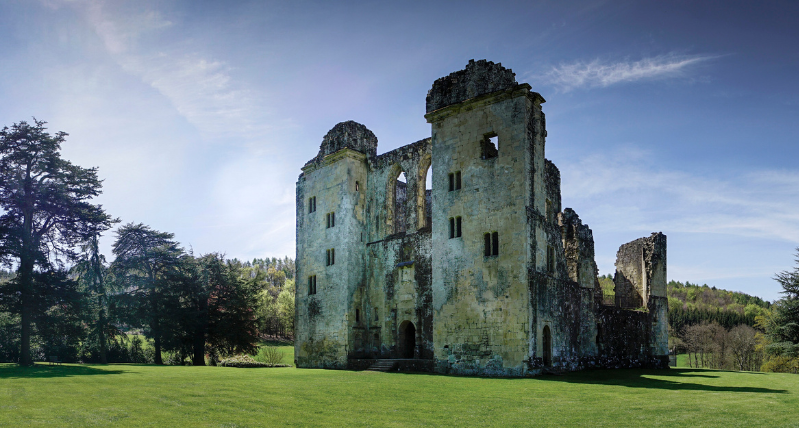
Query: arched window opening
[
  {"x": 400, "y": 202},
  {"x": 396, "y": 200},
  {"x": 424, "y": 201}
]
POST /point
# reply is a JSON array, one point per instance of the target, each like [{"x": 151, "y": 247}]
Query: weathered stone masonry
[{"x": 484, "y": 274}]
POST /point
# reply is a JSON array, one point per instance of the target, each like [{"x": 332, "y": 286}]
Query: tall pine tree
[{"x": 46, "y": 207}]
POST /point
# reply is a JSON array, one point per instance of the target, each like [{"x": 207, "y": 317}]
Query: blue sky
[{"x": 680, "y": 117}]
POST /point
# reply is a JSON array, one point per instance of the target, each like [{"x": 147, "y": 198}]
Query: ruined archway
[
  {"x": 406, "y": 343},
  {"x": 547, "y": 345},
  {"x": 396, "y": 200},
  {"x": 423, "y": 193}
]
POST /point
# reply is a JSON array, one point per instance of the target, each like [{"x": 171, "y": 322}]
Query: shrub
[
  {"x": 271, "y": 355},
  {"x": 241, "y": 361}
]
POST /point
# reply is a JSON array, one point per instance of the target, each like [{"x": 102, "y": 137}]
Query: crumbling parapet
[
  {"x": 578, "y": 246},
  {"x": 478, "y": 78},
  {"x": 349, "y": 134}
]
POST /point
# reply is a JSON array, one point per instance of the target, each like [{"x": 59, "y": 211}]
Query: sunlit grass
[{"x": 146, "y": 395}]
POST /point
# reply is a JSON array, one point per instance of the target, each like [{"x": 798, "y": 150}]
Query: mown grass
[{"x": 145, "y": 395}]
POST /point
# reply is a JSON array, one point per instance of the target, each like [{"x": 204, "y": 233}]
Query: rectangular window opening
[
  {"x": 458, "y": 180},
  {"x": 489, "y": 147},
  {"x": 458, "y": 229},
  {"x": 312, "y": 284},
  {"x": 357, "y": 186},
  {"x": 451, "y": 227},
  {"x": 487, "y": 246},
  {"x": 495, "y": 244},
  {"x": 451, "y": 182},
  {"x": 312, "y": 204},
  {"x": 357, "y": 315}
]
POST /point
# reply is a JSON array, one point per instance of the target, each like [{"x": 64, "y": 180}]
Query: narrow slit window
[
  {"x": 451, "y": 182},
  {"x": 495, "y": 244},
  {"x": 357, "y": 315},
  {"x": 458, "y": 230},
  {"x": 331, "y": 220},
  {"x": 357, "y": 186},
  {"x": 451, "y": 227},
  {"x": 327, "y": 259},
  {"x": 312, "y": 284},
  {"x": 332, "y": 256},
  {"x": 458, "y": 180},
  {"x": 312, "y": 204},
  {"x": 487, "y": 246}
]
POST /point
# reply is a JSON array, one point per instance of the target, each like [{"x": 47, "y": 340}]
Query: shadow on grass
[
  {"x": 679, "y": 379},
  {"x": 13, "y": 371}
]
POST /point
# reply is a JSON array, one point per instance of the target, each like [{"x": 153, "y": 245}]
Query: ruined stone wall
[
  {"x": 398, "y": 256},
  {"x": 641, "y": 271}
]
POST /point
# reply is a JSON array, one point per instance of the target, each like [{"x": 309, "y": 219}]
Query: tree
[
  {"x": 145, "y": 259},
  {"x": 92, "y": 272},
  {"x": 46, "y": 210},
  {"x": 785, "y": 333}
]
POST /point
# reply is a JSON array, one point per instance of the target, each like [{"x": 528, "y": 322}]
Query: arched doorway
[
  {"x": 547, "y": 342},
  {"x": 407, "y": 339}
]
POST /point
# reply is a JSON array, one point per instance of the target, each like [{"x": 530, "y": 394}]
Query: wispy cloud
[
  {"x": 757, "y": 204},
  {"x": 599, "y": 73},
  {"x": 201, "y": 88}
]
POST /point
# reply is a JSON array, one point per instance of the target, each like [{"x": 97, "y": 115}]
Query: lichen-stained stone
[{"x": 484, "y": 274}]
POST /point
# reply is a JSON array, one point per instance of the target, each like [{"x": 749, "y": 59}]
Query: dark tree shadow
[
  {"x": 13, "y": 371},
  {"x": 679, "y": 379}
]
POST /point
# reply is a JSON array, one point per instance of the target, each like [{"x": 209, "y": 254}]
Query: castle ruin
[{"x": 483, "y": 274}]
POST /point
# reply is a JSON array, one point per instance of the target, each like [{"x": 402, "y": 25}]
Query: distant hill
[{"x": 693, "y": 303}]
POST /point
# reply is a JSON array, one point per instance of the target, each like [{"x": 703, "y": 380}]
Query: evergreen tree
[
  {"x": 145, "y": 260},
  {"x": 46, "y": 212}
]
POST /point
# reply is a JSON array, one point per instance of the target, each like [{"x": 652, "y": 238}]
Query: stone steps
[{"x": 382, "y": 365}]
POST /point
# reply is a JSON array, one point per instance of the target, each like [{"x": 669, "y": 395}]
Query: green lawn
[{"x": 144, "y": 395}]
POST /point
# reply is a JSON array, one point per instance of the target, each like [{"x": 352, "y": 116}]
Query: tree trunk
[
  {"x": 101, "y": 333},
  {"x": 26, "y": 285},
  {"x": 158, "y": 359},
  {"x": 200, "y": 332}
]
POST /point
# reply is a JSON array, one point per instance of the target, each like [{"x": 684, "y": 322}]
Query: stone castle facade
[{"x": 484, "y": 273}]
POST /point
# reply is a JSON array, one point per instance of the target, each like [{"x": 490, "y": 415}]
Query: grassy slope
[{"x": 141, "y": 395}]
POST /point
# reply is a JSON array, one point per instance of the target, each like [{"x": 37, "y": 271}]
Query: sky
[{"x": 680, "y": 117}]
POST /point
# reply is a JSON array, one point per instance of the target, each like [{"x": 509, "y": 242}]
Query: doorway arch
[
  {"x": 547, "y": 345},
  {"x": 407, "y": 339}
]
